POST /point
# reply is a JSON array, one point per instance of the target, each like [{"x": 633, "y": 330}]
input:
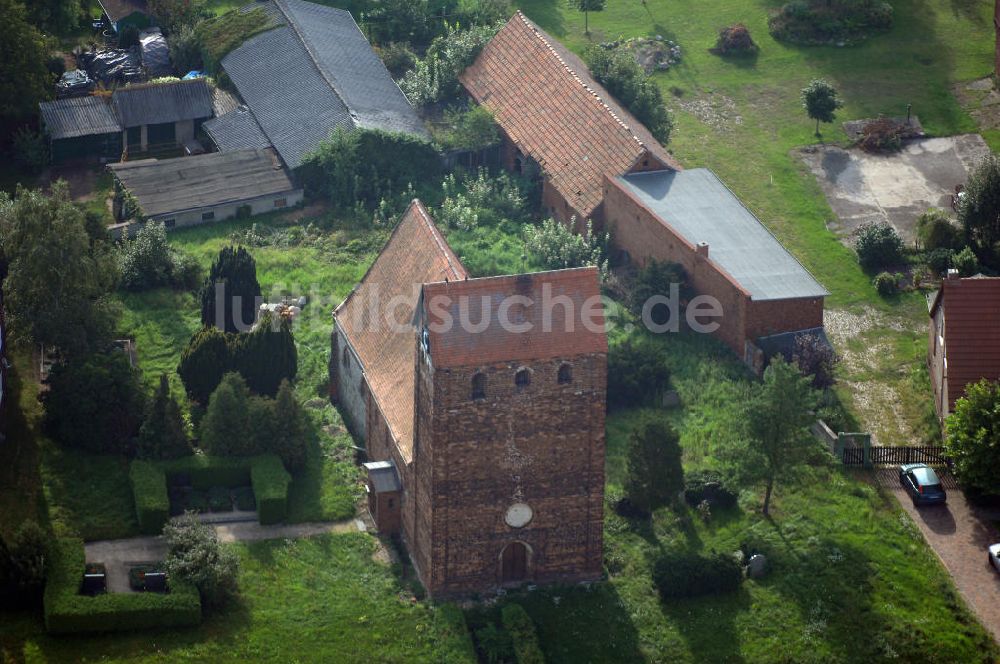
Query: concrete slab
[{"x": 896, "y": 188}]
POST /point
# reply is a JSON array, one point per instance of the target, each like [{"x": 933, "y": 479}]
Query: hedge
[
  {"x": 149, "y": 488},
  {"x": 679, "y": 574},
  {"x": 270, "y": 483},
  {"x": 452, "y": 626},
  {"x": 265, "y": 473},
  {"x": 69, "y": 612},
  {"x": 518, "y": 624}
]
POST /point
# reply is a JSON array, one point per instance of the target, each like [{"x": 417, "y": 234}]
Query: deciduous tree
[
  {"x": 973, "y": 440},
  {"x": 820, "y": 100},
  {"x": 979, "y": 209},
  {"x": 24, "y": 78},
  {"x": 587, "y": 6}
]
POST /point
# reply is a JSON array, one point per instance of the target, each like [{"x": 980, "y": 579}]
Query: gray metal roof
[
  {"x": 701, "y": 209},
  {"x": 383, "y": 476},
  {"x": 292, "y": 103},
  {"x": 157, "y": 103},
  {"x": 169, "y": 186},
  {"x": 79, "y": 116},
  {"x": 357, "y": 74},
  {"x": 236, "y": 130}
]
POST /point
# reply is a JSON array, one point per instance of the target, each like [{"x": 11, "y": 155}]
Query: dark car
[{"x": 922, "y": 483}]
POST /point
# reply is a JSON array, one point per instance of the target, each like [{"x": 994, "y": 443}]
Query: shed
[
  {"x": 187, "y": 191},
  {"x": 162, "y": 114},
  {"x": 384, "y": 492},
  {"x": 81, "y": 128}
]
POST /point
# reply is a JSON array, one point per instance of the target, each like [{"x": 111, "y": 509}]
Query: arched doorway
[{"x": 514, "y": 563}]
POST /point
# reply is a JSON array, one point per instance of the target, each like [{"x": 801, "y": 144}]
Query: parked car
[
  {"x": 995, "y": 556},
  {"x": 922, "y": 483}
]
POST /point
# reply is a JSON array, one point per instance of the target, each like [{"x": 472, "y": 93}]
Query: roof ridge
[
  {"x": 527, "y": 22},
  {"x": 286, "y": 12},
  {"x": 439, "y": 240}
]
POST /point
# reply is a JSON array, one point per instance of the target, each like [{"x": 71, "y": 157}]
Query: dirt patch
[
  {"x": 896, "y": 188},
  {"x": 715, "y": 110}
]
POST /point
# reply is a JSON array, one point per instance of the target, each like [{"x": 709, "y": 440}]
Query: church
[{"x": 481, "y": 404}]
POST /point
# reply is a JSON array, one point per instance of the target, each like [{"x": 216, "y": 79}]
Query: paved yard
[
  {"x": 959, "y": 534},
  {"x": 119, "y": 555},
  {"x": 897, "y": 188}
]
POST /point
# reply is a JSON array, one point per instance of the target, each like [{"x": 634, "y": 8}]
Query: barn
[
  {"x": 81, "y": 128},
  {"x": 158, "y": 116}
]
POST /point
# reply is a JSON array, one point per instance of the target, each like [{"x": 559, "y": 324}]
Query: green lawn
[{"x": 317, "y": 599}]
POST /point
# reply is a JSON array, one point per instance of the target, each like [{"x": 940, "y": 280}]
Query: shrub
[
  {"x": 979, "y": 209},
  {"x": 682, "y": 574},
  {"x": 196, "y": 556},
  {"x": 522, "y": 632},
  {"x": 149, "y": 489},
  {"x": 935, "y": 230},
  {"x": 815, "y": 357},
  {"x": 822, "y": 21},
  {"x": 94, "y": 403},
  {"x": 881, "y": 135},
  {"x": 204, "y": 472},
  {"x": 637, "y": 375},
  {"x": 481, "y": 200},
  {"x": 366, "y": 166},
  {"x": 23, "y": 561},
  {"x": 495, "y": 645},
  {"x": 232, "y": 282},
  {"x": 657, "y": 278},
  {"x": 878, "y": 246},
  {"x": 655, "y": 475},
  {"x": 398, "y": 58},
  {"x": 555, "y": 247},
  {"x": 973, "y": 440},
  {"x": 290, "y": 439},
  {"x": 435, "y": 77},
  {"x": 735, "y": 40},
  {"x": 204, "y": 362},
  {"x": 185, "y": 50},
  {"x": 69, "y": 612},
  {"x": 886, "y": 284},
  {"x": 617, "y": 70},
  {"x": 966, "y": 262},
  {"x": 708, "y": 486},
  {"x": 30, "y": 149},
  {"x": 148, "y": 261},
  {"x": 472, "y": 129},
  {"x": 270, "y": 486},
  {"x": 939, "y": 260}
]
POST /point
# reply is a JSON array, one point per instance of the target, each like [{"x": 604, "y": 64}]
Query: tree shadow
[{"x": 714, "y": 640}]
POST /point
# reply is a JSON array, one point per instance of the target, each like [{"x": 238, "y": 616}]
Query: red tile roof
[
  {"x": 565, "y": 332},
  {"x": 545, "y": 100},
  {"x": 971, "y": 331},
  {"x": 416, "y": 253}
]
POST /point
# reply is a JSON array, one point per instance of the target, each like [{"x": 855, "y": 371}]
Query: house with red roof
[
  {"x": 557, "y": 121},
  {"x": 481, "y": 403},
  {"x": 963, "y": 344}
]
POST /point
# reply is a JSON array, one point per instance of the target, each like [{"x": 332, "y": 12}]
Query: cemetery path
[{"x": 118, "y": 555}]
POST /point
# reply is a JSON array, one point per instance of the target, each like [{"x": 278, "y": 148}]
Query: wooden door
[{"x": 514, "y": 563}]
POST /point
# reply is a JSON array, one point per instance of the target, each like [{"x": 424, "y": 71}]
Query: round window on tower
[{"x": 518, "y": 515}]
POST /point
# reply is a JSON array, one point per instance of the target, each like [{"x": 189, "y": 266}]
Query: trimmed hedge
[
  {"x": 518, "y": 624},
  {"x": 149, "y": 488},
  {"x": 451, "y": 623},
  {"x": 678, "y": 574},
  {"x": 69, "y": 612},
  {"x": 270, "y": 483},
  {"x": 265, "y": 473}
]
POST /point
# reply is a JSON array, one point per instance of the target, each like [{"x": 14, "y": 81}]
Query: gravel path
[{"x": 118, "y": 555}]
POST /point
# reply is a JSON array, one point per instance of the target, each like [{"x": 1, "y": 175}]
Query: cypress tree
[
  {"x": 162, "y": 435},
  {"x": 655, "y": 474},
  {"x": 203, "y": 363},
  {"x": 267, "y": 356},
  {"x": 225, "y": 429},
  {"x": 234, "y": 276}
]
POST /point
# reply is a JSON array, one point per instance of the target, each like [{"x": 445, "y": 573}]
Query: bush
[
  {"x": 196, "y": 556},
  {"x": 681, "y": 574},
  {"x": 472, "y": 129},
  {"x": 267, "y": 356},
  {"x": 148, "y": 261},
  {"x": 495, "y": 645},
  {"x": 30, "y": 148},
  {"x": 973, "y": 440},
  {"x": 655, "y": 475},
  {"x": 226, "y": 429},
  {"x": 522, "y": 632},
  {"x": 185, "y": 50},
  {"x": 823, "y": 21},
  {"x": 637, "y": 375},
  {"x": 270, "y": 486},
  {"x": 966, "y": 262},
  {"x": 95, "y": 403},
  {"x": 481, "y": 199},
  {"x": 657, "y": 278},
  {"x": 708, "y": 486},
  {"x": 940, "y": 260},
  {"x": 979, "y": 209},
  {"x": 555, "y": 247},
  {"x": 617, "y": 70},
  {"x": 398, "y": 58},
  {"x": 878, "y": 246},
  {"x": 886, "y": 284},
  {"x": 935, "y": 230},
  {"x": 735, "y": 40},
  {"x": 435, "y": 77},
  {"x": 367, "y": 166},
  {"x": 149, "y": 489},
  {"x": 815, "y": 357},
  {"x": 23, "y": 561},
  {"x": 289, "y": 441},
  {"x": 69, "y": 612}
]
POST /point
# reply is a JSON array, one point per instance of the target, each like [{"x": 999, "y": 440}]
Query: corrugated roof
[
  {"x": 548, "y": 104},
  {"x": 358, "y": 75},
  {"x": 79, "y": 116},
  {"x": 236, "y": 130},
  {"x": 168, "y": 186},
  {"x": 698, "y": 207},
  {"x": 290, "y": 99},
  {"x": 541, "y": 331},
  {"x": 416, "y": 253},
  {"x": 157, "y": 103},
  {"x": 971, "y": 331}
]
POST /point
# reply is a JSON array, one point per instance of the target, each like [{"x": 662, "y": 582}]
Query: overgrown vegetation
[
  {"x": 219, "y": 35},
  {"x": 555, "y": 247},
  {"x": 830, "y": 21},
  {"x": 196, "y": 556},
  {"x": 617, "y": 70},
  {"x": 148, "y": 261},
  {"x": 973, "y": 440},
  {"x": 434, "y": 78},
  {"x": 979, "y": 210}
]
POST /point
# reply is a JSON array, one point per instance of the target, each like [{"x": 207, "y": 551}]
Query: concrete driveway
[
  {"x": 897, "y": 188},
  {"x": 959, "y": 534}
]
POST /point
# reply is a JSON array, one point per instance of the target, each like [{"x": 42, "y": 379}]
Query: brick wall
[
  {"x": 766, "y": 317},
  {"x": 542, "y": 445}
]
